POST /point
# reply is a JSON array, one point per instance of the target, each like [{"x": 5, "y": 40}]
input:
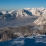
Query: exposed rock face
[{"x": 14, "y": 32}]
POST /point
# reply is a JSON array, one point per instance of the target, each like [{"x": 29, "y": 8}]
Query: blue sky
[{"x": 20, "y": 4}]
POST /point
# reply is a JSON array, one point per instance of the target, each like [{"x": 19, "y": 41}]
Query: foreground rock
[{"x": 14, "y": 32}]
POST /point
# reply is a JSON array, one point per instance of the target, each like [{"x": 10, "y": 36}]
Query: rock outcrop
[{"x": 14, "y": 32}]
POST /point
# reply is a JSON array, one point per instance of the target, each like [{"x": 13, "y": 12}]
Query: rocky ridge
[{"x": 14, "y": 32}]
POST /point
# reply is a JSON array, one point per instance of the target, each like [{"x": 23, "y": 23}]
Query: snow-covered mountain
[
  {"x": 41, "y": 20},
  {"x": 26, "y": 12},
  {"x": 36, "y": 11},
  {"x": 24, "y": 16}
]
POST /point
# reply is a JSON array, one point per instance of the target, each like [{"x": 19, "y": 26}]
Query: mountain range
[{"x": 26, "y": 16}]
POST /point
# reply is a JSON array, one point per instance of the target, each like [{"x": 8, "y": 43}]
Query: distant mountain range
[
  {"x": 22, "y": 13},
  {"x": 26, "y": 15}
]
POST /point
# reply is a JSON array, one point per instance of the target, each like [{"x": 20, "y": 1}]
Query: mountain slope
[{"x": 41, "y": 20}]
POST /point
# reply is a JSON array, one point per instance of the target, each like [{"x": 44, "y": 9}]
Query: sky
[{"x": 20, "y": 4}]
